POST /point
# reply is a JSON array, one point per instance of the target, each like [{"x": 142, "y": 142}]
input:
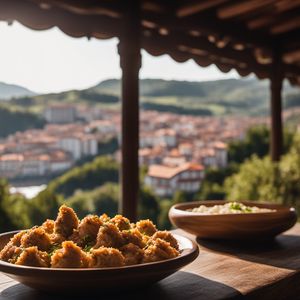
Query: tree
[
  {"x": 148, "y": 207},
  {"x": 5, "y": 222},
  {"x": 263, "y": 180}
]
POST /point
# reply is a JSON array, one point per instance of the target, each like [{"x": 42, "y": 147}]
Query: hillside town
[{"x": 176, "y": 148}]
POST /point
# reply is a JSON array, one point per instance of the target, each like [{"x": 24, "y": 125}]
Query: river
[{"x": 28, "y": 191}]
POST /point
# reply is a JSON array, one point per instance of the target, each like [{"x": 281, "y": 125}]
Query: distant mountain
[
  {"x": 8, "y": 91},
  {"x": 220, "y": 97}
]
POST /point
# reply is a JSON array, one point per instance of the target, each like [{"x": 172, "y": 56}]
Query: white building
[
  {"x": 60, "y": 114},
  {"x": 11, "y": 164},
  {"x": 166, "y": 180},
  {"x": 79, "y": 146}
]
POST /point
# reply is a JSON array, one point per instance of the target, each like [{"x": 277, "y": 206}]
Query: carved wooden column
[
  {"x": 276, "y": 108},
  {"x": 130, "y": 61}
]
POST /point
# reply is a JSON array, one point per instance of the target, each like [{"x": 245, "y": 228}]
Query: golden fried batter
[
  {"x": 36, "y": 237},
  {"x": 132, "y": 254},
  {"x": 66, "y": 221},
  {"x": 146, "y": 227},
  {"x": 88, "y": 228},
  {"x": 69, "y": 256},
  {"x": 93, "y": 242},
  {"x": 133, "y": 236},
  {"x": 159, "y": 250},
  {"x": 106, "y": 257},
  {"x": 109, "y": 236},
  {"x": 48, "y": 226},
  {"x": 166, "y": 236},
  {"x": 10, "y": 253},
  {"x": 31, "y": 256},
  {"x": 74, "y": 237},
  {"x": 104, "y": 218},
  {"x": 121, "y": 222},
  {"x": 11, "y": 249}
]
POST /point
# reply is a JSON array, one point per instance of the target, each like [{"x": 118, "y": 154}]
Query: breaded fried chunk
[
  {"x": 109, "y": 236},
  {"x": 146, "y": 227},
  {"x": 104, "y": 218},
  {"x": 166, "y": 236},
  {"x": 93, "y": 242},
  {"x": 74, "y": 237},
  {"x": 11, "y": 249},
  {"x": 36, "y": 237},
  {"x": 66, "y": 221},
  {"x": 31, "y": 256},
  {"x": 88, "y": 227},
  {"x": 159, "y": 250},
  {"x": 132, "y": 254},
  {"x": 48, "y": 226},
  {"x": 121, "y": 222},
  {"x": 69, "y": 256},
  {"x": 106, "y": 257},
  {"x": 10, "y": 253},
  {"x": 133, "y": 236}
]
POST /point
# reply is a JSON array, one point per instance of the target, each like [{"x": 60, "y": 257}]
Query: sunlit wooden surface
[{"x": 256, "y": 270}]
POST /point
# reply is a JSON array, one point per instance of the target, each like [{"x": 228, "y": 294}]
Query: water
[{"x": 28, "y": 191}]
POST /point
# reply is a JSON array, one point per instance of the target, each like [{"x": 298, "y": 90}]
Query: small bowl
[
  {"x": 233, "y": 226},
  {"x": 70, "y": 281}
]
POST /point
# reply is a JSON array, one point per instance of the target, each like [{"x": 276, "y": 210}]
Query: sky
[{"x": 50, "y": 61}]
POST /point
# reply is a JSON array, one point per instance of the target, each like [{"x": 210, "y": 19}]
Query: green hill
[{"x": 220, "y": 97}]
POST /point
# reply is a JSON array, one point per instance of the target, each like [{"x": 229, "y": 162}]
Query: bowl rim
[
  {"x": 279, "y": 208},
  {"x": 188, "y": 254}
]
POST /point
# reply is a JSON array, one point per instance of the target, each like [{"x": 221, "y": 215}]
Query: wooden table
[{"x": 223, "y": 270}]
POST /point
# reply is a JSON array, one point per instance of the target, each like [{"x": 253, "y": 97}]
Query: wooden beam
[
  {"x": 285, "y": 26},
  {"x": 196, "y": 6},
  {"x": 112, "y": 8},
  {"x": 241, "y": 8},
  {"x": 276, "y": 108},
  {"x": 201, "y": 46},
  {"x": 130, "y": 61},
  {"x": 32, "y": 16},
  {"x": 206, "y": 25}
]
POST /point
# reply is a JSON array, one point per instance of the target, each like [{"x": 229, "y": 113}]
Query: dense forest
[{"x": 14, "y": 120}]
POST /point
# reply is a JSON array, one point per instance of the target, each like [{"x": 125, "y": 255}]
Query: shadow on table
[
  {"x": 282, "y": 251},
  {"x": 181, "y": 285}
]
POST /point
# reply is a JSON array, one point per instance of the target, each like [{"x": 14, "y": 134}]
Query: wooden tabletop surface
[{"x": 223, "y": 270}]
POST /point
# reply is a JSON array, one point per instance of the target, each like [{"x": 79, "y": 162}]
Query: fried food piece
[
  {"x": 166, "y": 236},
  {"x": 132, "y": 254},
  {"x": 146, "y": 227},
  {"x": 11, "y": 249},
  {"x": 121, "y": 222},
  {"x": 106, "y": 257},
  {"x": 56, "y": 238},
  {"x": 88, "y": 228},
  {"x": 104, "y": 218},
  {"x": 133, "y": 236},
  {"x": 69, "y": 256},
  {"x": 159, "y": 250},
  {"x": 74, "y": 237},
  {"x": 48, "y": 226},
  {"x": 31, "y": 256},
  {"x": 10, "y": 253},
  {"x": 109, "y": 236},
  {"x": 16, "y": 239},
  {"x": 66, "y": 221},
  {"x": 36, "y": 237}
]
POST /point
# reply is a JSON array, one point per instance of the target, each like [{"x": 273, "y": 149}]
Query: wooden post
[
  {"x": 276, "y": 108},
  {"x": 130, "y": 61}
]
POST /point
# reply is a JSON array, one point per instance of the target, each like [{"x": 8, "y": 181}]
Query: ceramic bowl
[{"x": 233, "y": 226}]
